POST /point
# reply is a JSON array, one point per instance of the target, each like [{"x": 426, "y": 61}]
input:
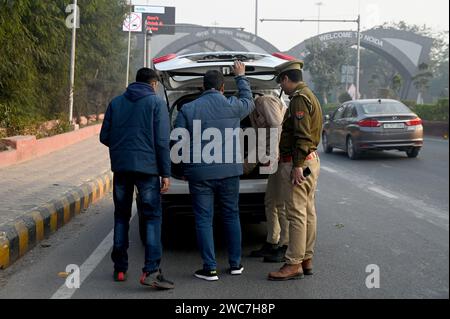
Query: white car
[{"x": 182, "y": 79}]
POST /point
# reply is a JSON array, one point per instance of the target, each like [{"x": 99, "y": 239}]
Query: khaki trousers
[
  {"x": 277, "y": 224},
  {"x": 300, "y": 212}
]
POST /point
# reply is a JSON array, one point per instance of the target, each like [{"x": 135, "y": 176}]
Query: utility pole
[
  {"x": 318, "y": 4},
  {"x": 358, "y": 35},
  {"x": 358, "y": 57},
  {"x": 148, "y": 46},
  {"x": 129, "y": 46},
  {"x": 256, "y": 17},
  {"x": 72, "y": 60}
]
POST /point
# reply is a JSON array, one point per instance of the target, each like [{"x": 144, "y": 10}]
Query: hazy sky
[{"x": 241, "y": 13}]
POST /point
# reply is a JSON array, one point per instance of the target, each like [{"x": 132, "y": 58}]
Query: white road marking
[
  {"x": 89, "y": 265},
  {"x": 327, "y": 169},
  {"x": 386, "y": 166},
  {"x": 412, "y": 204},
  {"x": 440, "y": 140},
  {"x": 382, "y": 192}
]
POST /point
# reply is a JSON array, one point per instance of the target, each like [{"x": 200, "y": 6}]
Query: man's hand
[
  {"x": 165, "y": 185},
  {"x": 239, "y": 68},
  {"x": 297, "y": 177}
]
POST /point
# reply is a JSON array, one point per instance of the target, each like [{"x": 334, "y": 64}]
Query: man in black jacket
[{"x": 136, "y": 130}]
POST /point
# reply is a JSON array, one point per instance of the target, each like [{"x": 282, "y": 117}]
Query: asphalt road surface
[{"x": 384, "y": 210}]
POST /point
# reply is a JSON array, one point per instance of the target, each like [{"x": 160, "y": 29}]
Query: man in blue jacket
[
  {"x": 216, "y": 179},
  {"x": 136, "y": 130}
]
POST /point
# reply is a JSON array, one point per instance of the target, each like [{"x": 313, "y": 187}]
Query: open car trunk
[
  {"x": 186, "y": 72},
  {"x": 245, "y": 123},
  {"x": 182, "y": 79}
]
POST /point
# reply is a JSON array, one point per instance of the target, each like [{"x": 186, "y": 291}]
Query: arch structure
[
  {"x": 404, "y": 50},
  {"x": 194, "y": 39}
]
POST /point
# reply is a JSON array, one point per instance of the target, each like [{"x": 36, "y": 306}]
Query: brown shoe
[
  {"x": 287, "y": 272},
  {"x": 307, "y": 267}
]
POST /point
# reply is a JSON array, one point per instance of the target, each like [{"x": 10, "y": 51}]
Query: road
[{"x": 384, "y": 210}]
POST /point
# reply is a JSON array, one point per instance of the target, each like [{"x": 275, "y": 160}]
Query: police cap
[{"x": 287, "y": 66}]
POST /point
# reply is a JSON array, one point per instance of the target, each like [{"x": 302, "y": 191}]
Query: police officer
[
  {"x": 300, "y": 138},
  {"x": 269, "y": 113}
]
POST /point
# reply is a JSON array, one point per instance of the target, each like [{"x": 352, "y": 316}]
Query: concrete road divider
[{"x": 17, "y": 238}]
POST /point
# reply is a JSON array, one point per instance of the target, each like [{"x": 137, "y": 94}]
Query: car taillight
[
  {"x": 164, "y": 58},
  {"x": 414, "y": 122},
  {"x": 283, "y": 56},
  {"x": 369, "y": 123}
]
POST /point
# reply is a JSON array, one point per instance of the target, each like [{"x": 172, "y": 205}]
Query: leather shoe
[
  {"x": 287, "y": 272},
  {"x": 307, "y": 267}
]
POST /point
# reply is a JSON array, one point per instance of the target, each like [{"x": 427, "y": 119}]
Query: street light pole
[
  {"x": 148, "y": 46},
  {"x": 358, "y": 57},
  {"x": 129, "y": 47},
  {"x": 318, "y": 4},
  {"x": 256, "y": 17},
  {"x": 72, "y": 60}
]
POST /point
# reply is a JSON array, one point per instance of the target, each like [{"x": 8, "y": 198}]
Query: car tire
[
  {"x": 413, "y": 152},
  {"x": 326, "y": 147},
  {"x": 352, "y": 153}
]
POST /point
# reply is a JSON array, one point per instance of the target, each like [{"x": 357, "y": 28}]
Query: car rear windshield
[{"x": 385, "y": 108}]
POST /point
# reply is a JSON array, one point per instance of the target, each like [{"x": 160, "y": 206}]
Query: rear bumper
[
  {"x": 389, "y": 140},
  {"x": 388, "y": 145},
  {"x": 178, "y": 201}
]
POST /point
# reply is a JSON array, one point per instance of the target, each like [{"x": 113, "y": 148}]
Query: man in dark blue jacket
[
  {"x": 218, "y": 178},
  {"x": 136, "y": 130}
]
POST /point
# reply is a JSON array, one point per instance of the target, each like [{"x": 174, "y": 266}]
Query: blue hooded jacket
[
  {"x": 215, "y": 111},
  {"x": 136, "y": 130}
]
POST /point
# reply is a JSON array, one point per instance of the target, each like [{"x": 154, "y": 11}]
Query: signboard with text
[{"x": 156, "y": 19}]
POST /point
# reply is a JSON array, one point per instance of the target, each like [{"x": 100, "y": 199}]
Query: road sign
[
  {"x": 156, "y": 22},
  {"x": 150, "y": 9},
  {"x": 348, "y": 74},
  {"x": 133, "y": 23}
]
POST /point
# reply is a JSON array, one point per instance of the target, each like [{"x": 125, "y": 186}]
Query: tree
[
  {"x": 35, "y": 46},
  {"x": 324, "y": 63},
  {"x": 422, "y": 80}
]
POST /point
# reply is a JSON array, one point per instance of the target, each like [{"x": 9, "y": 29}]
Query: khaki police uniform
[
  {"x": 269, "y": 113},
  {"x": 300, "y": 138}
]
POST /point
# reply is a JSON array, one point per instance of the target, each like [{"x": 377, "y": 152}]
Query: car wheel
[
  {"x": 413, "y": 152},
  {"x": 352, "y": 153},
  {"x": 326, "y": 147}
]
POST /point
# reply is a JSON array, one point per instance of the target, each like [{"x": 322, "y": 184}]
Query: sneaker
[
  {"x": 277, "y": 256},
  {"x": 120, "y": 276},
  {"x": 209, "y": 275},
  {"x": 236, "y": 270},
  {"x": 156, "y": 280},
  {"x": 265, "y": 250}
]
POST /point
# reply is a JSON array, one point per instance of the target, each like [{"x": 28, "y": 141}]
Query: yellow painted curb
[
  {"x": 22, "y": 231},
  {"x": 39, "y": 221},
  {"x": 4, "y": 251}
]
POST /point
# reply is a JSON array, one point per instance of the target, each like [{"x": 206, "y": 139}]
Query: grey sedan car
[{"x": 364, "y": 125}]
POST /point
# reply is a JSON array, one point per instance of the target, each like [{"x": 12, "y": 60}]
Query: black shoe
[
  {"x": 209, "y": 275},
  {"x": 236, "y": 270},
  {"x": 156, "y": 280},
  {"x": 277, "y": 256},
  {"x": 265, "y": 250}
]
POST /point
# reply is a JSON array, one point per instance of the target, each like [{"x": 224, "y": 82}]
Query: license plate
[{"x": 394, "y": 125}]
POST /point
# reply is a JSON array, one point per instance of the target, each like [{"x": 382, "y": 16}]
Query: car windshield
[{"x": 383, "y": 108}]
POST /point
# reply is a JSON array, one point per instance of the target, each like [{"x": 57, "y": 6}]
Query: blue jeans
[
  {"x": 226, "y": 191},
  {"x": 149, "y": 191}
]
